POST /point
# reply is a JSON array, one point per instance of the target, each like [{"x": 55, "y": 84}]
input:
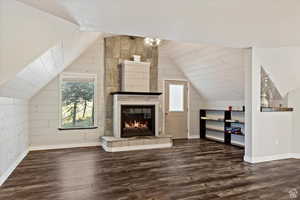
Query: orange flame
[{"x": 136, "y": 124}]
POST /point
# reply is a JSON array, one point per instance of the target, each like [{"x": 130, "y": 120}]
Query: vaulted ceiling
[
  {"x": 216, "y": 72},
  {"x": 233, "y": 23},
  {"x": 43, "y": 69},
  {"x": 35, "y": 47}
]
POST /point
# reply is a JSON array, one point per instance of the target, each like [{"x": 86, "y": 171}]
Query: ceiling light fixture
[{"x": 152, "y": 41}]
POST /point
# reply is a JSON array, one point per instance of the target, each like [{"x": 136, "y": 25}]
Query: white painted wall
[
  {"x": 248, "y": 103},
  {"x": 294, "y": 102},
  {"x": 27, "y": 33},
  {"x": 271, "y": 132},
  {"x": 44, "y": 106},
  {"x": 282, "y": 65},
  {"x": 13, "y": 134},
  {"x": 168, "y": 70},
  {"x": 223, "y": 105}
]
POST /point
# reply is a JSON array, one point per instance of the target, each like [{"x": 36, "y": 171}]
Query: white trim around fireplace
[{"x": 123, "y": 99}]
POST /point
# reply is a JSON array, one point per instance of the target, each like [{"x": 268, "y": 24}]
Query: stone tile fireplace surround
[
  {"x": 132, "y": 103},
  {"x": 117, "y": 51}
]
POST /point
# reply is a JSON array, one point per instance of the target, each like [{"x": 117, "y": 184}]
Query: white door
[{"x": 176, "y": 108}]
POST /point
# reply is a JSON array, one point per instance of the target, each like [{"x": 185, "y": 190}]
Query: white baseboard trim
[
  {"x": 8, "y": 172},
  {"x": 193, "y": 136},
  {"x": 63, "y": 146},
  {"x": 137, "y": 147},
  {"x": 267, "y": 158},
  {"x": 295, "y": 155}
]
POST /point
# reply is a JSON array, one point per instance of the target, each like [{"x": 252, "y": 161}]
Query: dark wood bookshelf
[{"x": 227, "y": 120}]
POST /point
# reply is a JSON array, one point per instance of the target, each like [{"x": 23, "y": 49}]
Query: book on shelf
[{"x": 234, "y": 130}]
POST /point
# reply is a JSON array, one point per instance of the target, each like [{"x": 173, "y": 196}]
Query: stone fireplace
[
  {"x": 118, "y": 51},
  {"x": 135, "y": 105}
]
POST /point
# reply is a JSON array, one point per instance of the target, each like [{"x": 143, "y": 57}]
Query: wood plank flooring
[{"x": 192, "y": 169}]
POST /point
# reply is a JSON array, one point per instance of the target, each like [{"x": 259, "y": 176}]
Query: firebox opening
[{"x": 137, "y": 120}]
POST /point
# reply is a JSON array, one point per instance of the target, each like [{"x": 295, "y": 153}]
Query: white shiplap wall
[
  {"x": 13, "y": 134},
  {"x": 44, "y": 106},
  {"x": 216, "y": 72}
]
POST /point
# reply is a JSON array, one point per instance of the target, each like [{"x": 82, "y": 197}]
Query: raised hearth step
[{"x": 114, "y": 144}]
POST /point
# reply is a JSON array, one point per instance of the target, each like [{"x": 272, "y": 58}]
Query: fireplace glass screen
[{"x": 137, "y": 120}]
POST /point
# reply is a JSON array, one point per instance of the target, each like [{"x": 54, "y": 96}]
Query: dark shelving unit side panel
[
  {"x": 227, "y": 136},
  {"x": 202, "y": 124}
]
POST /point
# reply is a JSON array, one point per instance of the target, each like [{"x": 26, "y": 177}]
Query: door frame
[{"x": 164, "y": 106}]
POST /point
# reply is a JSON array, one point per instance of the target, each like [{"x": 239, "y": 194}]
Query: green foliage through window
[{"x": 77, "y": 104}]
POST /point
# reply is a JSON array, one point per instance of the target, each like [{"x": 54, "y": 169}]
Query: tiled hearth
[{"x": 114, "y": 144}]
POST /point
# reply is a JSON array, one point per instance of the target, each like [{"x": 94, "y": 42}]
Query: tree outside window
[{"x": 77, "y": 104}]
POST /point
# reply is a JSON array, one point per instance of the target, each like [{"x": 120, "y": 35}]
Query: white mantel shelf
[
  {"x": 136, "y": 93},
  {"x": 136, "y": 63}
]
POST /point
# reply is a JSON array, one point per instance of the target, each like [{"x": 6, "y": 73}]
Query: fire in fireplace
[{"x": 137, "y": 120}]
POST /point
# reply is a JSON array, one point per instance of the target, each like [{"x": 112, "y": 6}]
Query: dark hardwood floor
[{"x": 192, "y": 169}]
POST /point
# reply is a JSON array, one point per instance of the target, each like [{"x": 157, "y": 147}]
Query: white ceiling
[
  {"x": 216, "y": 72},
  {"x": 27, "y": 33},
  {"x": 234, "y": 23},
  {"x": 53, "y": 7}
]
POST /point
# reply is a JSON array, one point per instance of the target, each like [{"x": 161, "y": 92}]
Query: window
[
  {"x": 176, "y": 95},
  {"x": 77, "y": 98}
]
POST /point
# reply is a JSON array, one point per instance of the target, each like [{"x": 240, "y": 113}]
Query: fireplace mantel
[{"x": 136, "y": 93}]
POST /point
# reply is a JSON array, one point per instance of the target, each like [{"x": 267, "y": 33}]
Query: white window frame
[{"x": 78, "y": 75}]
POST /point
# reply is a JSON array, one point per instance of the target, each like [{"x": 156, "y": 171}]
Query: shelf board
[
  {"x": 222, "y": 110},
  {"x": 211, "y": 119},
  {"x": 214, "y": 129},
  {"x": 235, "y": 121},
  {"x": 276, "y": 109},
  {"x": 135, "y": 93}
]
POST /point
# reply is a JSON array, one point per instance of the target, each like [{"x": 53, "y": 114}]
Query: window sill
[{"x": 69, "y": 129}]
